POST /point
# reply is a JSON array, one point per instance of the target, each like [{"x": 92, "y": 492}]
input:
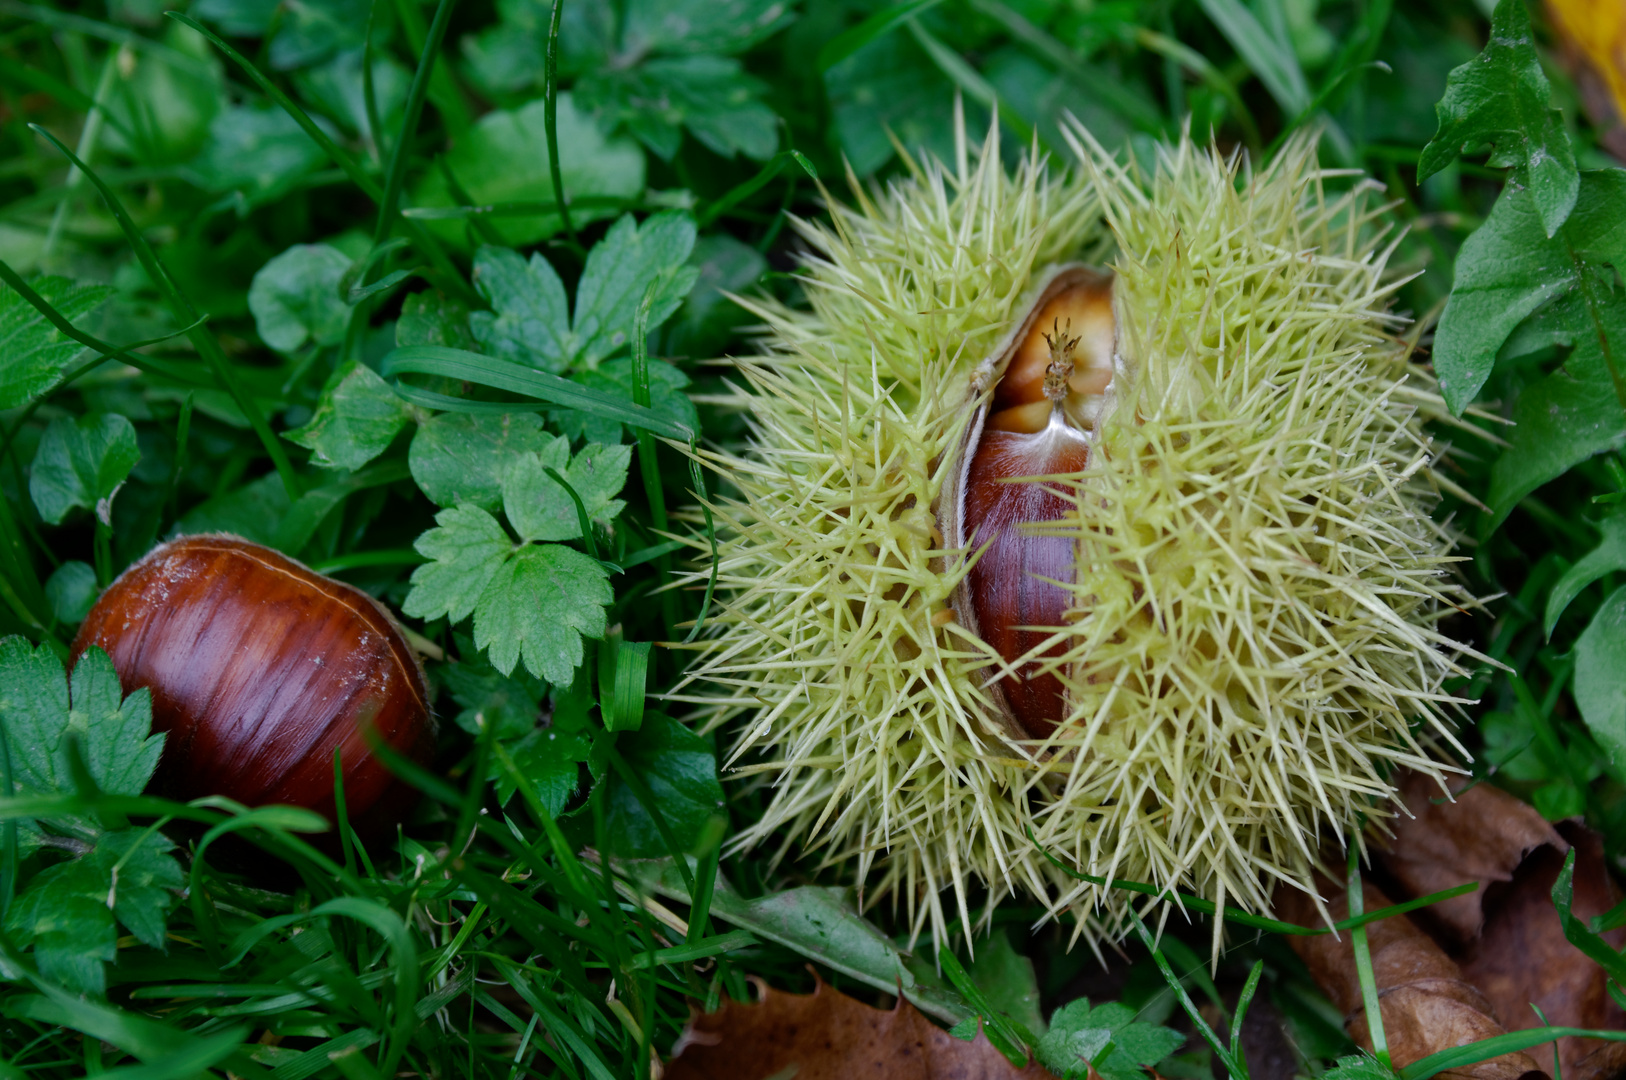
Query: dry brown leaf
[
  {"x": 1482, "y": 836},
  {"x": 1507, "y": 935},
  {"x": 1592, "y": 49},
  {"x": 827, "y": 1035},
  {"x": 1426, "y": 1005}
]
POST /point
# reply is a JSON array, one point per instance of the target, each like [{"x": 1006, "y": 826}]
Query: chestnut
[
  {"x": 259, "y": 668},
  {"x": 1049, "y": 382}
]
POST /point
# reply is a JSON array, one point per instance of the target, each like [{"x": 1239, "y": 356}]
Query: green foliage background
[{"x": 301, "y": 271}]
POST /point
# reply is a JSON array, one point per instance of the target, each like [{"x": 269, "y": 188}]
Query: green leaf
[
  {"x": 459, "y": 458},
  {"x": 466, "y": 550},
  {"x": 113, "y": 731},
  {"x": 680, "y": 770},
  {"x": 1502, "y": 98},
  {"x": 1571, "y": 414},
  {"x": 72, "y": 590},
  {"x": 666, "y": 399},
  {"x": 890, "y": 86},
  {"x": 260, "y": 151},
  {"x": 538, "y": 605},
  {"x": 712, "y": 96},
  {"x": 529, "y": 320},
  {"x": 1608, "y": 557},
  {"x": 701, "y": 26},
  {"x": 356, "y": 419},
  {"x": 239, "y": 18},
  {"x": 432, "y": 318},
  {"x": 1358, "y": 1067},
  {"x": 1007, "y": 980},
  {"x": 295, "y": 298},
  {"x": 336, "y": 87},
  {"x": 548, "y": 759},
  {"x": 1600, "y": 676},
  {"x": 539, "y": 509},
  {"x": 253, "y": 511},
  {"x": 620, "y": 269},
  {"x": 1078, "y": 1034},
  {"x": 504, "y": 158},
  {"x": 510, "y": 704},
  {"x": 82, "y": 463},
  {"x": 32, "y": 351},
  {"x": 313, "y": 30},
  {"x": 67, "y": 910},
  {"x": 1507, "y": 269}
]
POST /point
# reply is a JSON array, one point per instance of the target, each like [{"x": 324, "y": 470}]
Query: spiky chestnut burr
[{"x": 1242, "y": 621}]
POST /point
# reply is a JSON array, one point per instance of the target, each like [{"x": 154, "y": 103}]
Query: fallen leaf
[
  {"x": 1482, "y": 836},
  {"x": 827, "y": 1035},
  {"x": 1426, "y": 1004}
]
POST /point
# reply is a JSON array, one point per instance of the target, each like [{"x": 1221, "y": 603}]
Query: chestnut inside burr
[{"x": 1051, "y": 384}]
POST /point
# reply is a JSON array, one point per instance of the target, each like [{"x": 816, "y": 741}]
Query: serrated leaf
[
  {"x": 431, "y": 318},
  {"x": 356, "y": 419},
  {"x": 538, "y": 606},
  {"x": 529, "y": 320},
  {"x": 711, "y": 96},
  {"x": 466, "y": 550},
  {"x": 113, "y": 730},
  {"x": 1600, "y": 676},
  {"x": 538, "y": 508},
  {"x": 1502, "y": 98},
  {"x": 619, "y": 270},
  {"x": 81, "y": 463},
  {"x": 295, "y": 298},
  {"x": 680, "y": 771},
  {"x": 32, "y": 351},
  {"x": 459, "y": 458},
  {"x": 1079, "y": 1033}
]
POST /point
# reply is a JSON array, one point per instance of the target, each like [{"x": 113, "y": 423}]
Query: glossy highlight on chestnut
[
  {"x": 1049, "y": 380},
  {"x": 259, "y": 668}
]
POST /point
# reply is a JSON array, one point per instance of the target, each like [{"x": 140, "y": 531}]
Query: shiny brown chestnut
[
  {"x": 1039, "y": 395},
  {"x": 259, "y": 668}
]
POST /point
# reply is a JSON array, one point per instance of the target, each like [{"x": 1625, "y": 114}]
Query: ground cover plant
[{"x": 427, "y": 295}]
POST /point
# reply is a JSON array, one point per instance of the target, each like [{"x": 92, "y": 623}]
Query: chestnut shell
[{"x": 259, "y": 668}]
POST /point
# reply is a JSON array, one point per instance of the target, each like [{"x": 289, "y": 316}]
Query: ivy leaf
[
  {"x": 680, "y": 770},
  {"x": 528, "y": 322},
  {"x": 465, "y": 551},
  {"x": 548, "y": 759},
  {"x": 1502, "y": 98},
  {"x": 82, "y": 463},
  {"x": 32, "y": 351},
  {"x": 1573, "y": 413},
  {"x": 538, "y": 605},
  {"x": 539, "y": 509},
  {"x": 712, "y": 96},
  {"x": 666, "y": 397},
  {"x": 1078, "y": 1034},
  {"x": 459, "y": 458},
  {"x": 356, "y": 419},
  {"x": 1600, "y": 676},
  {"x": 295, "y": 298},
  {"x": 504, "y": 158}
]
